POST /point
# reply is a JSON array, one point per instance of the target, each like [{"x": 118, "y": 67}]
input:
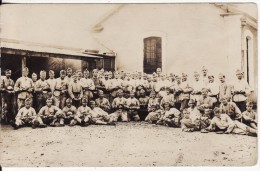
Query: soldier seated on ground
[
  {"x": 68, "y": 114},
  {"x": 143, "y": 101},
  {"x": 48, "y": 113},
  {"x": 170, "y": 116},
  {"x": 99, "y": 116},
  {"x": 120, "y": 114},
  {"x": 222, "y": 123},
  {"x": 249, "y": 117},
  {"x": 168, "y": 97},
  {"x": 204, "y": 102},
  {"x": 132, "y": 106},
  {"x": 102, "y": 102},
  {"x": 229, "y": 108},
  {"x": 83, "y": 116},
  {"x": 154, "y": 114},
  {"x": 189, "y": 124},
  {"x": 26, "y": 116},
  {"x": 119, "y": 106}
]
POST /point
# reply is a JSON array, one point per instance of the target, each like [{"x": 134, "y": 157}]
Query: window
[{"x": 152, "y": 54}]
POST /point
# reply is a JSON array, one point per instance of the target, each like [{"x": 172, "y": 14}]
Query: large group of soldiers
[{"x": 104, "y": 98}]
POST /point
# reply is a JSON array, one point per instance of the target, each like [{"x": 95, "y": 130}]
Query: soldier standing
[
  {"x": 42, "y": 88},
  {"x": 7, "y": 96},
  {"x": 60, "y": 90},
  {"x": 24, "y": 88},
  {"x": 75, "y": 91}
]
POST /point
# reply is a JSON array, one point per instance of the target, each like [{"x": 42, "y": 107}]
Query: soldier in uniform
[
  {"x": 204, "y": 102},
  {"x": 60, "y": 92},
  {"x": 83, "y": 116},
  {"x": 229, "y": 108},
  {"x": 224, "y": 88},
  {"x": 34, "y": 98},
  {"x": 204, "y": 78},
  {"x": 143, "y": 101},
  {"x": 24, "y": 88},
  {"x": 170, "y": 116},
  {"x": 177, "y": 90},
  {"x": 106, "y": 85},
  {"x": 69, "y": 78},
  {"x": 169, "y": 98},
  {"x": 185, "y": 93},
  {"x": 189, "y": 123},
  {"x": 213, "y": 88},
  {"x": 26, "y": 116},
  {"x": 119, "y": 106},
  {"x": 249, "y": 117},
  {"x": 197, "y": 87},
  {"x": 48, "y": 114},
  {"x": 102, "y": 102},
  {"x": 240, "y": 91},
  {"x": 87, "y": 85},
  {"x": 132, "y": 106},
  {"x": 153, "y": 100},
  {"x": 69, "y": 112},
  {"x": 51, "y": 81},
  {"x": 7, "y": 97},
  {"x": 42, "y": 88},
  {"x": 116, "y": 85},
  {"x": 99, "y": 116},
  {"x": 75, "y": 91},
  {"x": 154, "y": 114},
  {"x": 97, "y": 83},
  {"x": 128, "y": 85}
]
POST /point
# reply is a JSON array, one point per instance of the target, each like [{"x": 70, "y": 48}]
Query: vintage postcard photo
[{"x": 128, "y": 85}]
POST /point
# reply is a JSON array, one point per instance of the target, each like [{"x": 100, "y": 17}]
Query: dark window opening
[{"x": 152, "y": 54}]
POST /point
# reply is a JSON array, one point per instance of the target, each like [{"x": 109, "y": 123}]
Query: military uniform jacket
[
  {"x": 24, "y": 113},
  {"x": 230, "y": 109},
  {"x": 103, "y": 103},
  {"x": 46, "y": 111},
  {"x": 23, "y": 83}
]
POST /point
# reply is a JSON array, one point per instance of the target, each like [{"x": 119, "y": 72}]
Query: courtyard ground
[{"x": 127, "y": 144}]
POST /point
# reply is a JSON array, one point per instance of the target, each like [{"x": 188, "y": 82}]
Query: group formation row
[{"x": 76, "y": 98}]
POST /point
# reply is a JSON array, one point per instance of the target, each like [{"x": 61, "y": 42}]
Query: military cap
[
  {"x": 84, "y": 100},
  {"x": 238, "y": 71},
  {"x": 100, "y": 92},
  {"x": 68, "y": 100},
  {"x": 196, "y": 73},
  {"x": 191, "y": 101},
  {"x": 8, "y": 71},
  {"x": 28, "y": 100},
  {"x": 211, "y": 76},
  {"x": 62, "y": 72},
  {"x": 92, "y": 102},
  {"x": 249, "y": 103},
  {"x": 51, "y": 72}
]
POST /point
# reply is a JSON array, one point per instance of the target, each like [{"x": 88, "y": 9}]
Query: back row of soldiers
[{"x": 111, "y": 91}]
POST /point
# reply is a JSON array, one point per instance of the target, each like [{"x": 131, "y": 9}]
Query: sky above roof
[{"x": 63, "y": 24}]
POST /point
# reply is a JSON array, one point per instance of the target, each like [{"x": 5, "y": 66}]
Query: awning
[{"x": 40, "y": 50}]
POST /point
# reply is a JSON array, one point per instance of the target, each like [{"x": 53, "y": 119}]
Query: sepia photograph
[{"x": 129, "y": 85}]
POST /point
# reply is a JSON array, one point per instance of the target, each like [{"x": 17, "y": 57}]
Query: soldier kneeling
[
  {"x": 83, "y": 116},
  {"x": 26, "y": 116}
]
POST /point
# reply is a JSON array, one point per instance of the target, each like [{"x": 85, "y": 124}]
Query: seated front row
[{"x": 191, "y": 119}]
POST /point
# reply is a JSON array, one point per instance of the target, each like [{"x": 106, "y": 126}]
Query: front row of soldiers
[
  {"x": 53, "y": 116},
  {"x": 199, "y": 116}
]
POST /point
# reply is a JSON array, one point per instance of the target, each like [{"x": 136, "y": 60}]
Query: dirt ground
[{"x": 127, "y": 144}]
